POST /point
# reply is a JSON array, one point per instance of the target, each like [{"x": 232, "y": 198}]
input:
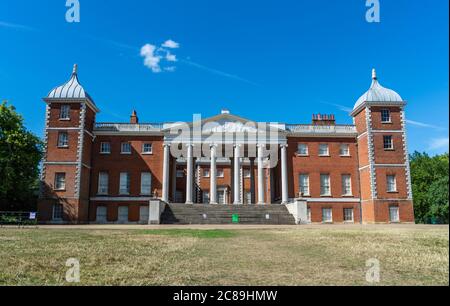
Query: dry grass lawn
[{"x": 293, "y": 256}]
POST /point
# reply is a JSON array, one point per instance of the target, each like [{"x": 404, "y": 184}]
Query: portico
[{"x": 246, "y": 149}]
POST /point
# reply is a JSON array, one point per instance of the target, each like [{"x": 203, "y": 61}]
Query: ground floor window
[
  {"x": 143, "y": 214},
  {"x": 123, "y": 214},
  {"x": 327, "y": 215},
  {"x": 394, "y": 214},
  {"x": 57, "y": 214},
  {"x": 308, "y": 214},
  {"x": 348, "y": 214},
  {"x": 221, "y": 195},
  {"x": 101, "y": 214},
  {"x": 248, "y": 197},
  {"x": 205, "y": 197}
]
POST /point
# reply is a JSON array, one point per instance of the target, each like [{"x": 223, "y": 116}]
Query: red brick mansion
[{"x": 109, "y": 172}]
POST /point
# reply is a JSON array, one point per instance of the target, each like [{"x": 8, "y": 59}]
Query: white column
[
  {"x": 213, "y": 176},
  {"x": 284, "y": 175},
  {"x": 165, "y": 187},
  {"x": 261, "y": 176},
  {"x": 237, "y": 181},
  {"x": 190, "y": 174}
]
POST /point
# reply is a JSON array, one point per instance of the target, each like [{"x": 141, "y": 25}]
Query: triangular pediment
[{"x": 228, "y": 123}]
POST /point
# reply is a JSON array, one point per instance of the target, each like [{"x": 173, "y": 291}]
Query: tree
[
  {"x": 429, "y": 176},
  {"x": 20, "y": 154}
]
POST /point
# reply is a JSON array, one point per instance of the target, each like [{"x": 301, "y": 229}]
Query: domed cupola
[
  {"x": 72, "y": 89},
  {"x": 378, "y": 95},
  {"x": 71, "y": 92}
]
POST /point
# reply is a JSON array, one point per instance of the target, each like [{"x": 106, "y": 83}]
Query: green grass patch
[{"x": 204, "y": 234}]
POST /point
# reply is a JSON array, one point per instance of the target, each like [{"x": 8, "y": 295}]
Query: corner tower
[
  {"x": 385, "y": 182},
  {"x": 70, "y": 119}
]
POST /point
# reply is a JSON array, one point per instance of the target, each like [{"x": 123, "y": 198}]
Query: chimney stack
[
  {"x": 320, "y": 119},
  {"x": 134, "y": 118}
]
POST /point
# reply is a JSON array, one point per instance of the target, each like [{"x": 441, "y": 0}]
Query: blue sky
[{"x": 265, "y": 60}]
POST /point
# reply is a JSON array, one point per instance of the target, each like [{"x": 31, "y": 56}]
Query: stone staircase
[{"x": 222, "y": 214}]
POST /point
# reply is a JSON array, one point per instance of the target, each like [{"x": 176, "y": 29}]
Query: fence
[{"x": 19, "y": 218}]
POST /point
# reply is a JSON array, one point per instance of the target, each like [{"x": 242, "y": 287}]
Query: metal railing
[
  {"x": 128, "y": 127},
  {"x": 321, "y": 129}
]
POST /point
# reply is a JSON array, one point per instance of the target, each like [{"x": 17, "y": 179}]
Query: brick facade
[{"x": 367, "y": 167}]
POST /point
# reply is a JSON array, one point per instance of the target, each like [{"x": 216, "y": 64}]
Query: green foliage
[
  {"x": 20, "y": 154},
  {"x": 430, "y": 181}
]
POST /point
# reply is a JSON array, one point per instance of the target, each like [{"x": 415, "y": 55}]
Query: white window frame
[
  {"x": 344, "y": 186},
  {"x": 205, "y": 197},
  {"x": 246, "y": 173},
  {"x": 323, "y": 186},
  {"x": 148, "y": 152},
  {"x": 206, "y": 172},
  {"x": 220, "y": 172},
  {"x": 248, "y": 197},
  {"x": 105, "y": 148},
  {"x": 63, "y": 186},
  {"x": 144, "y": 212},
  {"x": 57, "y": 214},
  {"x": 124, "y": 183},
  {"x": 382, "y": 112},
  {"x": 299, "y": 151},
  {"x": 394, "y": 183},
  {"x": 397, "y": 214},
  {"x": 97, "y": 214},
  {"x": 103, "y": 183},
  {"x": 321, "y": 145},
  {"x": 119, "y": 215},
  {"x": 301, "y": 187},
  {"x": 347, "y": 146},
  {"x": 323, "y": 215},
  {"x": 64, "y": 112},
  {"x": 63, "y": 142},
  {"x": 122, "y": 146},
  {"x": 144, "y": 190},
  {"x": 385, "y": 142},
  {"x": 353, "y": 214}
]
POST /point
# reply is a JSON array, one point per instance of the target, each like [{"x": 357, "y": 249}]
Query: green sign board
[{"x": 235, "y": 218}]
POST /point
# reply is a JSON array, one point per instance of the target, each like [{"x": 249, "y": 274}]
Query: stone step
[{"x": 222, "y": 214}]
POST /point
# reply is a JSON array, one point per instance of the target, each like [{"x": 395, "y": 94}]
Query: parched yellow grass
[{"x": 296, "y": 256}]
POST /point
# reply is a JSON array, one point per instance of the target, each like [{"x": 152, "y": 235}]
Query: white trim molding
[
  {"x": 44, "y": 157},
  {"x": 387, "y": 131},
  {"x": 333, "y": 200},
  {"x": 80, "y": 150},
  {"x": 373, "y": 179},
  {"x": 63, "y": 163},
  {"x": 120, "y": 199},
  {"x": 405, "y": 149}
]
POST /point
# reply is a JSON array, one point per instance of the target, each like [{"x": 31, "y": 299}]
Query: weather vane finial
[
  {"x": 75, "y": 69},
  {"x": 374, "y": 74}
]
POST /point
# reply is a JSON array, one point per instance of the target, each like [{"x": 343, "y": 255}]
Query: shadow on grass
[{"x": 206, "y": 234}]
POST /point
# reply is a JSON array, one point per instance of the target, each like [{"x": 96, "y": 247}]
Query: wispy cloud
[
  {"x": 112, "y": 43},
  {"x": 439, "y": 143},
  {"x": 423, "y": 125},
  {"x": 339, "y": 106},
  {"x": 218, "y": 72},
  {"x": 4, "y": 24}
]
